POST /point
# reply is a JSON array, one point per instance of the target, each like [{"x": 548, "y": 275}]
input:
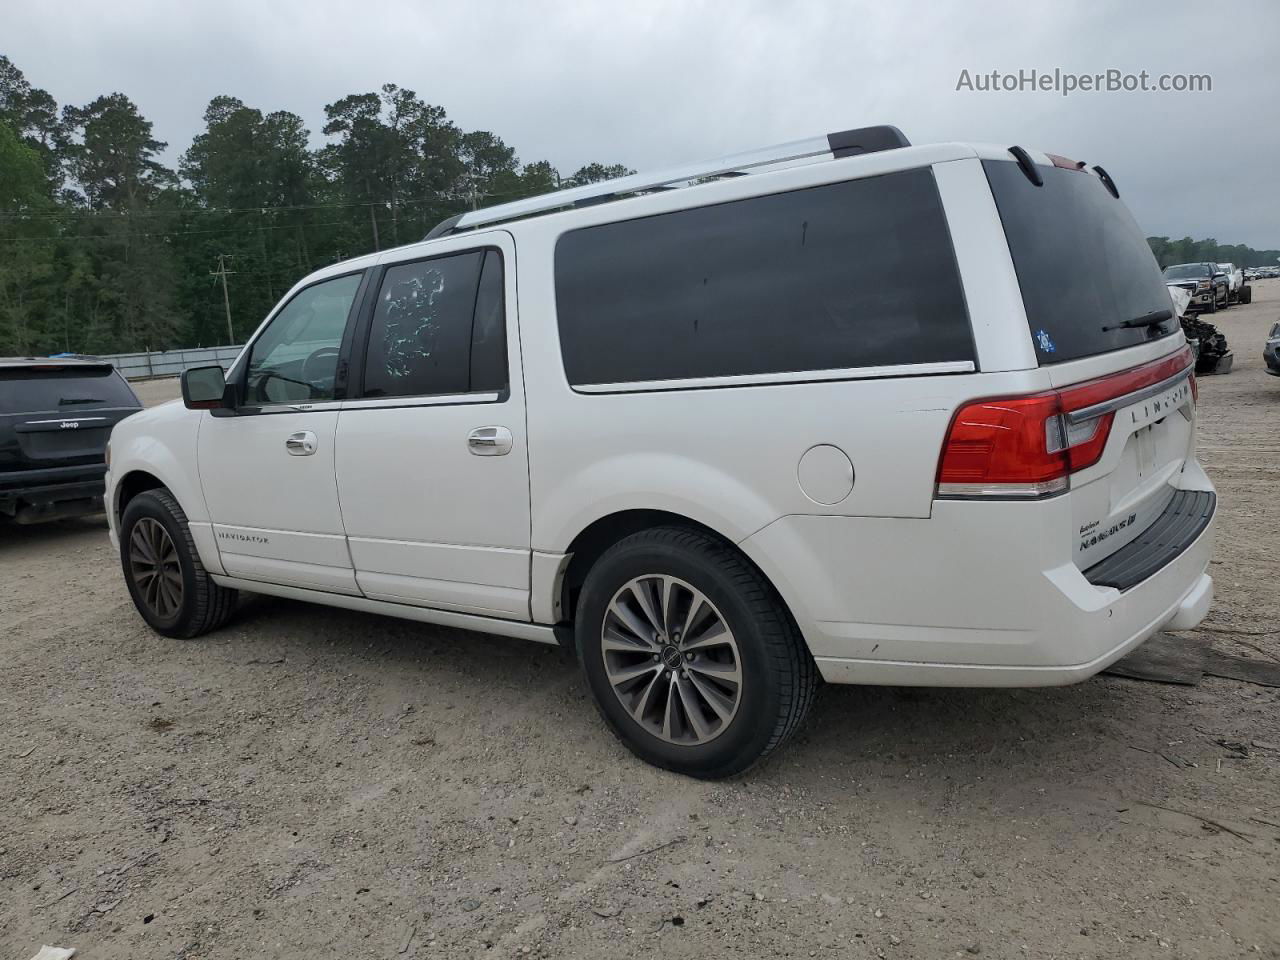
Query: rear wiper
[
  {"x": 65, "y": 401},
  {"x": 1154, "y": 318}
]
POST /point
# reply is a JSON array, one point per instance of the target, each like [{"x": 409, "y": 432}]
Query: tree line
[
  {"x": 1187, "y": 250},
  {"x": 105, "y": 249}
]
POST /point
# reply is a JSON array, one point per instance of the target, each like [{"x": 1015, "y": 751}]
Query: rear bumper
[
  {"x": 51, "y": 494},
  {"x": 979, "y": 595},
  {"x": 1183, "y": 615}
]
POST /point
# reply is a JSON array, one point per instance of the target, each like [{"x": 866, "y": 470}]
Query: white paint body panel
[
  {"x": 428, "y": 521},
  {"x": 162, "y": 441},
  {"x": 275, "y": 516},
  {"x": 982, "y": 587},
  {"x": 887, "y": 583}
]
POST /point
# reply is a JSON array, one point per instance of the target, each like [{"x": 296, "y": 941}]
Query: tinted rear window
[
  {"x": 845, "y": 275},
  {"x": 1082, "y": 262},
  {"x": 31, "y": 390}
]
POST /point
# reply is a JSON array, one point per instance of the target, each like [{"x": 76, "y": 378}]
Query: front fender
[{"x": 163, "y": 442}]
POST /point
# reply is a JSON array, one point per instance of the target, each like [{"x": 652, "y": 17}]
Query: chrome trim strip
[
  {"x": 764, "y": 379},
  {"x": 440, "y": 400},
  {"x": 1119, "y": 403},
  {"x": 378, "y": 403},
  {"x": 309, "y": 407},
  {"x": 1003, "y": 491}
]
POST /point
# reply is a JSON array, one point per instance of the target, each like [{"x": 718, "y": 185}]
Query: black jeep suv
[{"x": 55, "y": 418}]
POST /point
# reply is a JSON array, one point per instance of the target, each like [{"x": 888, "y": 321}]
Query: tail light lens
[{"x": 1028, "y": 446}]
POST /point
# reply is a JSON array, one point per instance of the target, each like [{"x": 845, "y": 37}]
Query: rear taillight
[{"x": 1028, "y": 446}]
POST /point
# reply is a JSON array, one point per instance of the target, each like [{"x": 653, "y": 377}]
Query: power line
[
  {"x": 169, "y": 236},
  {"x": 106, "y": 214}
]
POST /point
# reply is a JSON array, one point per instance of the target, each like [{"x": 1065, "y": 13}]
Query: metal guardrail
[{"x": 169, "y": 363}]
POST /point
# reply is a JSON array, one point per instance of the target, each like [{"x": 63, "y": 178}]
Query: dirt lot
[{"x": 318, "y": 783}]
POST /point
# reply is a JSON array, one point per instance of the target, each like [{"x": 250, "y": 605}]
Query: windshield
[
  {"x": 1186, "y": 271},
  {"x": 1083, "y": 264}
]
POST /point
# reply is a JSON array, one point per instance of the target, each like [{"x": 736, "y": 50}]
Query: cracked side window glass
[{"x": 420, "y": 336}]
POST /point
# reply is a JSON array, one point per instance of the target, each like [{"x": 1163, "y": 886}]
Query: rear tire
[
  {"x": 169, "y": 585},
  {"x": 718, "y": 699},
  {"x": 1246, "y": 294}
]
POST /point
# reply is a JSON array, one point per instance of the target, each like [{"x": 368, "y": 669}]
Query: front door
[
  {"x": 268, "y": 469},
  {"x": 432, "y": 462}
]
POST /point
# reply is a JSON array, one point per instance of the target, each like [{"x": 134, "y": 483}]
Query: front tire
[
  {"x": 169, "y": 585},
  {"x": 690, "y": 654}
]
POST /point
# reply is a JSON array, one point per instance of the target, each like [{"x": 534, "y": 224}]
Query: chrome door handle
[
  {"x": 301, "y": 444},
  {"x": 489, "y": 441}
]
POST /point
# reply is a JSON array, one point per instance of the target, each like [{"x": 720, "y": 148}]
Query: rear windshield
[
  {"x": 66, "y": 390},
  {"x": 1082, "y": 262}
]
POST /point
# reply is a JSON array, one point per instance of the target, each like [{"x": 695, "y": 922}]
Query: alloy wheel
[
  {"x": 671, "y": 659},
  {"x": 156, "y": 570}
]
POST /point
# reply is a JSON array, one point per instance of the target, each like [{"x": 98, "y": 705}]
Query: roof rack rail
[{"x": 844, "y": 143}]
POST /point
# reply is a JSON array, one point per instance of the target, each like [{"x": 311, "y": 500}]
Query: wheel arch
[
  {"x": 140, "y": 478},
  {"x": 598, "y": 536},
  {"x": 129, "y": 486}
]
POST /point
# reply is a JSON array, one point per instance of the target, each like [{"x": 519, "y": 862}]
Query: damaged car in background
[{"x": 1209, "y": 345}]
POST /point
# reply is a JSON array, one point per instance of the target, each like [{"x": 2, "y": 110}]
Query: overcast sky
[{"x": 650, "y": 84}]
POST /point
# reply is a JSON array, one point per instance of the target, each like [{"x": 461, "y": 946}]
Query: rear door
[
  {"x": 432, "y": 459},
  {"x": 1097, "y": 305},
  {"x": 268, "y": 470}
]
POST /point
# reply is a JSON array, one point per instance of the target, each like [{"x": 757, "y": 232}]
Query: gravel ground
[{"x": 319, "y": 783}]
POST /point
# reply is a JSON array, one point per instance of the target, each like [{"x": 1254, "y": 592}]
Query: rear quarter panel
[{"x": 727, "y": 456}]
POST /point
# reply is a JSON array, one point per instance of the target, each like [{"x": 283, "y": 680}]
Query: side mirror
[
  {"x": 204, "y": 388},
  {"x": 1218, "y": 276}
]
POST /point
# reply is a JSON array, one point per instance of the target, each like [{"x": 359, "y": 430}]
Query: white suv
[{"x": 873, "y": 413}]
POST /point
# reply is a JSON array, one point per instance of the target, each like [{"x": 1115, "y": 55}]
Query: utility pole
[
  {"x": 473, "y": 195},
  {"x": 223, "y": 273}
]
